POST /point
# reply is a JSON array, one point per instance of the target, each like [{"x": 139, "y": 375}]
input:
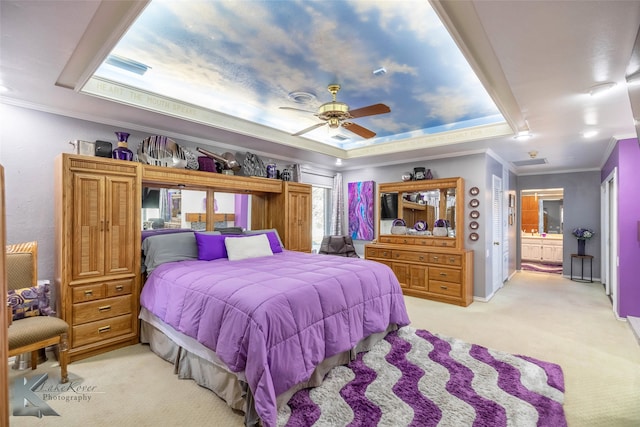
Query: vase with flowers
[{"x": 582, "y": 234}]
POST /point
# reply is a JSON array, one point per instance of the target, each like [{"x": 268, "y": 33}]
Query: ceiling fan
[{"x": 336, "y": 114}]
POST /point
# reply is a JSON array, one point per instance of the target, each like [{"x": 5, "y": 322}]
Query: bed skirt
[{"x": 192, "y": 360}]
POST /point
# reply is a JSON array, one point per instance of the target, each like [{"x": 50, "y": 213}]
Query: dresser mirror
[{"x": 418, "y": 202}]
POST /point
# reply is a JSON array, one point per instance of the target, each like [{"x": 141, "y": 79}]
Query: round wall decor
[
  {"x": 474, "y": 236},
  {"x": 474, "y": 214},
  {"x": 474, "y": 203},
  {"x": 474, "y": 225},
  {"x": 474, "y": 191}
]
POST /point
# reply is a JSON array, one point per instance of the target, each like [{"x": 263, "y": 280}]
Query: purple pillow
[
  {"x": 274, "y": 242},
  {"x": 211, "y": 246}
]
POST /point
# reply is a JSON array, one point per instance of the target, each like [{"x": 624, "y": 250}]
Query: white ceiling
[{"x": 537, "y": 60}]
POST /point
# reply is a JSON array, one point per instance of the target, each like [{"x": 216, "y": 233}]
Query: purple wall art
[{"x": 361, "y": 205}]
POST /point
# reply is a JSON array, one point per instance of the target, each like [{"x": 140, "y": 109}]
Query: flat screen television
[{"x": 389, "y": 206}]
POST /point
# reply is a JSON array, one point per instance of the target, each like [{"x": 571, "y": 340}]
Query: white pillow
[{"x": 247, "y": 247}]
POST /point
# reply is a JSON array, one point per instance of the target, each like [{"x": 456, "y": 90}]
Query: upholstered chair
[{"x": 31, "y": 328}]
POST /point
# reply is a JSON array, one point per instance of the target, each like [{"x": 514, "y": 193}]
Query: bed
[{"x": 254, "y": 322}]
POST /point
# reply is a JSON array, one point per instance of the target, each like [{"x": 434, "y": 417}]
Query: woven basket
[{"x": 399, "y": 229}]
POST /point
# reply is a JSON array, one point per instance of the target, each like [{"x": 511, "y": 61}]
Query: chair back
[
  {"x": 22, "y": 265},
  {"x": 338, "y": 245}
]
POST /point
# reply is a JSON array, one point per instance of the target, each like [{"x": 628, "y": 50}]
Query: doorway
[{"x": 541, "y": 230}]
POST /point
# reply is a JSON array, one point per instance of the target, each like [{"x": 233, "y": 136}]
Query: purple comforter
[{"x": 276, "y": 317}]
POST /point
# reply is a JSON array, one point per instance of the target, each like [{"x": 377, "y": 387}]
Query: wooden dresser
[
  {"x": 427, "y": 266},
  {"x": 98, "y": 251}
]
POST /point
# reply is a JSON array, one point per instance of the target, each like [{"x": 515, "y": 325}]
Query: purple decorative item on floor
[
  {"x": 122, "y": 152},
  {"x": 416, "y": 378},
  {"x": 361, "y": 203}
]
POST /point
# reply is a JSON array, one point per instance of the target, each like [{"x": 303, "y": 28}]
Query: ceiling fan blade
[
  {"x": 371, "y": 110},
  {"x": 358, "y": 130},
  {"x": 297, "y": 109},
  {"x": 309, "y": 129}
]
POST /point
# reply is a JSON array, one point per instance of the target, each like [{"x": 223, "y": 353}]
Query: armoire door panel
[
  {"x": 120, "y": 228},
  {"x": 88, "y": 228}
]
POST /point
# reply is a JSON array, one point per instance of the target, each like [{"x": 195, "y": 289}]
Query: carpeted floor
[
  {"x": 541, "y": 267},
  {"x": 545, "y": 316},
  {"x": 414, "y": 377}
]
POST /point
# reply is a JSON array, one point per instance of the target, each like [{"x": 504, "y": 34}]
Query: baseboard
[{"x": 634, "y": 322}]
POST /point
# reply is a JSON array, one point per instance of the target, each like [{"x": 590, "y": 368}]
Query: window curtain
[{"x": 337, "y": 206}]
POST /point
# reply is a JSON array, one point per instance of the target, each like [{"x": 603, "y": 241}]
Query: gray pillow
[
  {"x": 164, "y": 248},
  {"x": 250, "y": 232}
]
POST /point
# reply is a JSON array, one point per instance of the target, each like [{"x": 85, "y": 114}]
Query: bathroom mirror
[{"x": 542, "y": 211}]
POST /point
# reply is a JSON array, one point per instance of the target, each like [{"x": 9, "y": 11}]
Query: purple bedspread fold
[{"x": 276, "y": 317}]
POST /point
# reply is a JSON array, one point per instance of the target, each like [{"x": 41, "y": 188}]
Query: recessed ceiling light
[
  {"x": 633, "y": 78},
  {"x": 589, "y": 133},
  {"x": 601, "y": 88},
  {"x": 523, "y": 134},
  {"x": 338, "y": 162}
]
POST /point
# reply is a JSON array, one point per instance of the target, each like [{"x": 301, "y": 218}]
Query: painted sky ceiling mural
[{"x": 248, "y": 59}]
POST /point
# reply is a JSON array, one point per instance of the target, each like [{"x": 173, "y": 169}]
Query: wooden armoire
[{"x": 97, "y": 214}]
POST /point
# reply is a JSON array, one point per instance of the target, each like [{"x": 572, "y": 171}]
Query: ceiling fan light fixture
[
  {"x": 334, "y": 122},
  {"x": 601, "y": 88}
]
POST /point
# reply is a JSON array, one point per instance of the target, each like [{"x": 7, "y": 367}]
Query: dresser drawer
[
  {"x": 445, "y": 275},
  {"x": 89, "y": 292},
  {"x": 119, "y": 287},
  {"x": 445, "y": 259},
  {"x": 102, "y": 330},
  {"x": 445, "y": 243},
  {"x": 377, "y": 253},
  {"x": 445, "y": 288},
  {"x": 102, "y": 309},
  {"x": 410, "y": 256}
]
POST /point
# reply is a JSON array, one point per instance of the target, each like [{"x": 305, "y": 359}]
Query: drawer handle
[
  {"x": 444, "y": 287},
  {"x": 88, "y": 293},
  {"x": 421, "y": 258},
  {"x": 397, "y": 255},
  {"x": 404, "y": 241},
  {"x": 452, "y": 259},
  {"x": 443, "y": 274},
  {"x": 119, "y": 288},
  {"x": 104, "y": 308},
  {"x": 435, "y": 257},
  {"x": 104, "y": 329},
  {"x": 384, "y": 253}
]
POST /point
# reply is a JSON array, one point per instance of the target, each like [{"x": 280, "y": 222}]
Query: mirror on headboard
[
  {"x": 182, "y": 208},
  {"x": 420, "y": 204}
]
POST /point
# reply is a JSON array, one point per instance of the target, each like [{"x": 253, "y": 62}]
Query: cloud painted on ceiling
[{"x": 244, "y": 58}]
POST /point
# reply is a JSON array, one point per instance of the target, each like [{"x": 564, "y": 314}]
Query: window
[{"x": 321, "y": 215}]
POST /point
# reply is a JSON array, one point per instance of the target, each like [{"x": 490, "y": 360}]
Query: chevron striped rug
[{"x": 416, "y": 378}]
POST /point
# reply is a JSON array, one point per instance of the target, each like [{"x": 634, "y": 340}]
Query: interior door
[
  {"x": 497, "y": 227},
  {"x": 609, "y": 241}
]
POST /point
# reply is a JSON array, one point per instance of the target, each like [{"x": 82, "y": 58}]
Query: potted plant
[{"x": 582, "y": 234}]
